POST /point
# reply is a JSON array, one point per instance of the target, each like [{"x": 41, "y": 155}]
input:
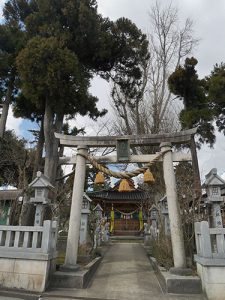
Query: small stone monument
[
  {"x": 98, "y": 212},
  {"x": 165, "y": 213},
  {"x": 85, "y": 211},
  {"x": 1, "y": 109},
  {"x": 42, "y": 188},
  {"x": 153, "y": 217},
  {"x": 213, "y": 185}
]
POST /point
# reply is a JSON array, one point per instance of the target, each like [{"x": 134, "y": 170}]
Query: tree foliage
[
  {"x": 203, "y": 99},
  {"x": 11, "y": 41},
  {"x": 52, "y": 73},
  {"x": 215, "y": 88},
  {"x": 67, "y": 43},
  {"x": 15, "y": 161}
]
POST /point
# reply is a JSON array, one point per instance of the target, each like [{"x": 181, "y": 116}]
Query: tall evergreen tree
[
  {"x": 11, "y": 42},
  {"x": 69, "y": 42},
  {"x": 215, "y": 87},
  {"x": 184, "y": 83}
]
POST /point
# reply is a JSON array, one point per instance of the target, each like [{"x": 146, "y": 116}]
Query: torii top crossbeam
[{"x": 134, "y": 140}]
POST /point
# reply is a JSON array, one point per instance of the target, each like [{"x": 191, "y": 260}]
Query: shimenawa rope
[{"x": 123, "y": 175}]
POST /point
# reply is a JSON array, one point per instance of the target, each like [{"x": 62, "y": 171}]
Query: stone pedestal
[
  {"x": 26, "y": 274},
  {"x": 216, "y": 219},
  {"x": 212, "y": 274}
]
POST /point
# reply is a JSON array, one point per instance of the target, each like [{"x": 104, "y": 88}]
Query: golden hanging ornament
[
  {"x": 99, "y": 178},
  {"x": 148, "y": 177},
  {"x": 124, "y": 186}
]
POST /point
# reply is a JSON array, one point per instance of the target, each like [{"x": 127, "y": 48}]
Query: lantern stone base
[{"x": 212, "y": 274}]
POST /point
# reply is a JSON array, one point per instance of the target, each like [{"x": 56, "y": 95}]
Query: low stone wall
[
  {"x": 27, "y": 256},
  {"x": 78, "y": 279},
  {"x": 30, "y": 275},
  {"x": 176, "y": 284}
]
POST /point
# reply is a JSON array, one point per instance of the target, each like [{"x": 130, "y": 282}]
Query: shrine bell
[
  {"x": 99, "y": 178},
  {"x": 148, "y": 177},
  {"x": 125, "y": 186}
]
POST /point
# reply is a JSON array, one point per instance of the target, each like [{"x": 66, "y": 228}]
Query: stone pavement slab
[{"x": 125, "y": 273}]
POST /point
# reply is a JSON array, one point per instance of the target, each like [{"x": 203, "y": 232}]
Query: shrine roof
[
  {"x": 136, "y": 195},
  {"x": 10, "y": 194}
]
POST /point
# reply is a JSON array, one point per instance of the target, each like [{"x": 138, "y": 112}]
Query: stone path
[{"x": 125, "y": 273}]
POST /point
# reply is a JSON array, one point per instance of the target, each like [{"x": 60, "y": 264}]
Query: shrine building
[{"x": 126, "y": 211}]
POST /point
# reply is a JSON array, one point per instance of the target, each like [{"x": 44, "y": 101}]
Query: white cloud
[
  {"x": 14, "y": 123},
  {"x": 2, "y": 3},
  {"x": 212, "y": 158},
  {"x": 1, "y": 6}
]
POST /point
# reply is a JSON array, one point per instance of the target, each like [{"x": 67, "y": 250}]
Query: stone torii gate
[{"x": 166, "y": 141}]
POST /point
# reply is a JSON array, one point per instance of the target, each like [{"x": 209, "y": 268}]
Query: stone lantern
[
  {"x": 42, "y": 188},
  {"x": 85, "y": 211},
  {"x": 165, "y": 213},
  {"x": 213, "y": 185},
  {"x": 98, "y": 211}
]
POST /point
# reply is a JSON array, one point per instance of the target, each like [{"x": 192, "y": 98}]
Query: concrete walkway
[{"x": 125, "y": 273}]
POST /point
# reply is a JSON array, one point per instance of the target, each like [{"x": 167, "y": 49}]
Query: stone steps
[
  {"x": 126, "y": 239},
  {"x": 126, "y": 233}
]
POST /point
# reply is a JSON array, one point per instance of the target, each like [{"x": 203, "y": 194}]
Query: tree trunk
[
  {"x": 197, "y": 180},
  {"x": 5, "y": 107},
  {"x": 51, "y": 143},
  {"x": 39, "y": 150},
  {"x": 48, "y": 134}
]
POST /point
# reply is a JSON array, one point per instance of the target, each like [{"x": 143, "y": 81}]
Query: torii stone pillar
[
  {"x": 75, "y": 212},
  {"x": 177, "y": 237}
]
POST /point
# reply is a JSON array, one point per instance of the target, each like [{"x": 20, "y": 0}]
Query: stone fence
[
  {"x": 28, "y": 240},
  {"x": 210, "y": 242},
  {"x": 27, "y": 255},
  {"x": 210, "y": 259}
]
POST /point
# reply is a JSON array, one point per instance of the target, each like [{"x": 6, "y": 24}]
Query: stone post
[
  {"x": 173, "y": 208},
  {"x": 75, "y": 213},
  {"x": 216, "y": 221},
  {"x": 167, "y": 224},
  {"x": 39, "y": 214}
]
